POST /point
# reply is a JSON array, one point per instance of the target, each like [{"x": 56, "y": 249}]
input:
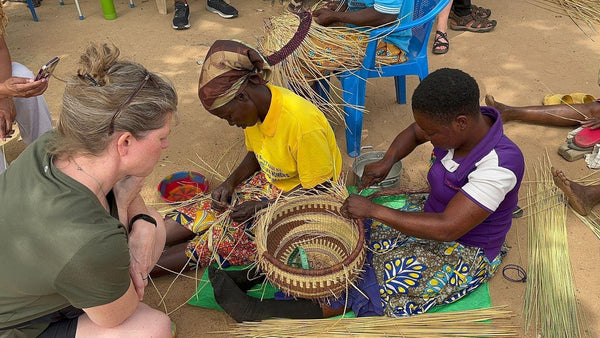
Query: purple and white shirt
[{"x": 490, "y": 175}]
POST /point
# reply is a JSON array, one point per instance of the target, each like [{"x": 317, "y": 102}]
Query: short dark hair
[{"x": 445, "y": 94}]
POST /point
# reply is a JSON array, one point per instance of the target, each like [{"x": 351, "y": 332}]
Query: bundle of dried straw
[
  {"x": 580, "y": 11},
  {"x": 471, "y": 323},
  {"x": 550, "y": 303},
  {"x": 323, "y": 50}
]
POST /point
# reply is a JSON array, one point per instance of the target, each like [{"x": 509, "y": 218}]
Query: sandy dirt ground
[{"x": 531, "y": 53}]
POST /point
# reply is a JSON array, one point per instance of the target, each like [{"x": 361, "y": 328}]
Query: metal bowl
[{"x": 391, "y": 180}]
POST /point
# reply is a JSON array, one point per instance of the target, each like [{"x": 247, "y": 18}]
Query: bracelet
[{"x": 144, "y": 217}]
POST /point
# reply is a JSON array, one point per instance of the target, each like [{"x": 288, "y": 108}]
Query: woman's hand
[
  {"x": 356, "y": 206},
  {"x": 325, "y": 16},
  {"x": 23, "y": 87},
  {"x": 374, "y": 173},
  {"x": 221, "y": 195},
  {"x": 592, "y": 122},
  {"x": 245, "y": 211},
  {"x": 142, "y": 241},
  {"x": 126, "y": 190}
]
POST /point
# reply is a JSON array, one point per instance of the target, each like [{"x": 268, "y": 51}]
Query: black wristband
[{"x": 145, "y": 217}]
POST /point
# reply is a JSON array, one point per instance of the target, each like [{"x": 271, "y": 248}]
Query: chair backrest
[
  {"x": 424, "y": 14},
  {"x": 420, "y": 34}
]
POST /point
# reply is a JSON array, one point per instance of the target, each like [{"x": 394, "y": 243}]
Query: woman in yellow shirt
[{"x": 290, "y": 146}]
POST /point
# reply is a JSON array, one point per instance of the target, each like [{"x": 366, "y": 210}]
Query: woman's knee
[
  {"x": 144, "y": 322},
  {"x": 160, "y": 223},
  {"x": 156, "y": 323}
]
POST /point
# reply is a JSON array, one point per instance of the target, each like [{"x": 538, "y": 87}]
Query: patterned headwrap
[
  {"x": 227, "y": 69},
  {"x": 230, "y": 64},
  {"x": 3, "y": 20}
]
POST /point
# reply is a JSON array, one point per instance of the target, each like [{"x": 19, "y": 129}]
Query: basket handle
[{"x": 298, "y": 253}]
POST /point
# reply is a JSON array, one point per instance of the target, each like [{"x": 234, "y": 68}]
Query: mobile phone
[{"x": 47, "y": 69}]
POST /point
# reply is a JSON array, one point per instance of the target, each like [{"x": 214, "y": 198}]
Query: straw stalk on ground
[{"x": 550, "y": 306}]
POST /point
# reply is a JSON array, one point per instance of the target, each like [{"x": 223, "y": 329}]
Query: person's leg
[
  {"x": 173, "y": 258},
  {"x": 554, "y": 115},
  {"x": 242, "y": 307},
  {"x": 582, "y": 198},
  {"x": 33, "y": 115},
  {"x": 461, "y": 7},
  {"x": 244, "y": 279},
  {"x": 463, "y": 16},
  {"x": 440, "y": 42},
  {"x": 181, "y": 16},
  {"x": 144, "y": 322},
  {"x": 176, "y": 233}
]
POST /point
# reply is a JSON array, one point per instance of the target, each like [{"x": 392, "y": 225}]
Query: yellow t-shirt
[{"x": 295, "y": 144}]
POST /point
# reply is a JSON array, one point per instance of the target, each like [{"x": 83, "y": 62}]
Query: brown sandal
[
  {"x": 481, "y": 12},
  {"x": 471, "y": 23}
]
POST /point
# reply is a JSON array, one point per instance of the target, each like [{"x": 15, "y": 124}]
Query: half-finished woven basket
[{"x": 333, "y": 246}]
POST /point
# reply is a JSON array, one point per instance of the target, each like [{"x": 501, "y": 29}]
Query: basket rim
[{"x": 357, "y": 223}]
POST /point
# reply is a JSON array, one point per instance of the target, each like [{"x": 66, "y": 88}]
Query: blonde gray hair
[{"x": 102, "y": 86}]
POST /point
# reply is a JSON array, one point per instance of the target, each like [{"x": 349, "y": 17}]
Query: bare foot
[
  {"x": 501, "y": 107},
  {"x": 575, "y": 192}
]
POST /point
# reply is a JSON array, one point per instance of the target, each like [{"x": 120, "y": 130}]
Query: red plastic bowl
[{"x": 182, "y": 186}]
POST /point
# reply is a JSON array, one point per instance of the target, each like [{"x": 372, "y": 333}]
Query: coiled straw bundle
[
  {"x": 334, "y": 246},
  {"x": 324, "y": 49}
]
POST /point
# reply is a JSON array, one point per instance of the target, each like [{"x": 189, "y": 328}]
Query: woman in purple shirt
[{"x": 443, "y": 253}]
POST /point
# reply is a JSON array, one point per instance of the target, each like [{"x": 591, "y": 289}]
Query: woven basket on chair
[{"x": 334, "y": 247}]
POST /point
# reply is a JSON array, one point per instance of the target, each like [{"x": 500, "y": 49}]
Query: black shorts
[
  {"x": 65, "y": 328},
  {"x": 63, "y": 323}
]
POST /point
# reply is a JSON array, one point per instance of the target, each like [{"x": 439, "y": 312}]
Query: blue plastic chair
[
  {"x": 32, "y": 10},
  {"x": 354, "y": 82}
]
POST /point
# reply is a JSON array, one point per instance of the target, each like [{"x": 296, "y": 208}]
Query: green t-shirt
[{"x": 59, "y": 246}]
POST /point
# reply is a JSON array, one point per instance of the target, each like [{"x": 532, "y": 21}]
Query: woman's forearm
[
  {"x": 5, "y": 67},
  {"x": 248, "y": 167}
]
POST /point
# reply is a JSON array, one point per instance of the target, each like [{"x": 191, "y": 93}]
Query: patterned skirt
[
  {"x": 225, "y": 242},
  {"x": 414, "y": 274}
]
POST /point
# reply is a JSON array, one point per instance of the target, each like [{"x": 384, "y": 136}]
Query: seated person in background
[
  {"x": 465, "y": 17},
  {"x": 468, "y": 17},
  {"x": 77, "y": 239},
  {"x": 372, "y": 13},
  {"x": 181, "y": 14},
  {"x": 434, "y": 257},
  {"x": 585, "y": 115},
  {"x": 290, "y": 146},
  {"x": 582, "y": 198},
  {"x": 21, "y": 98}
]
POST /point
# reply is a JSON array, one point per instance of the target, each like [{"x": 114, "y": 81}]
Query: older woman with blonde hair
[{"x": 77, "y": 239}]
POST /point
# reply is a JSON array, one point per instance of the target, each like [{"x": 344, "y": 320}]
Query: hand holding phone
[{"x": 47, "y": 69}]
